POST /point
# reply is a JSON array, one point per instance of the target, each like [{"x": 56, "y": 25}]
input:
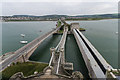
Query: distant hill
[
  {"x": 83, "y": 16},
  {"x": 56, "y": 17},
  {"x": 23, "y": 16},
  {"x": 45, "y": 16},
  {"x": 100, "y": 16}
]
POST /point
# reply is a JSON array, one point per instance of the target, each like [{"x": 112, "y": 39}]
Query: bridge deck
[{"x": 93, "y": 68}]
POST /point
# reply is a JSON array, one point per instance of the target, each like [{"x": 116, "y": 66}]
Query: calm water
[
  {"x": 102, "y": 34},
  {"x": 12, "y": 30}
]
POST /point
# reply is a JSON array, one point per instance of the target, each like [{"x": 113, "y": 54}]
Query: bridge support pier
[
  {"x": 24, "y": 59},
  {"x": 63, "y": 56},
  {"x": 52, "y": 50}
]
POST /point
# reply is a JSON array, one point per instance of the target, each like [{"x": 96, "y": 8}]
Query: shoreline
[{"x": 56, "y": 20}]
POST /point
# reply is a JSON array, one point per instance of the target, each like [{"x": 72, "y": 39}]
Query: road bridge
[{"x": 26, "y": 51}]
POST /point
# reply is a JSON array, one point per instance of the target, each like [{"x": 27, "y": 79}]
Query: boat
[
  {"x": 23, "y": 42},
  {"x": 23, "y": 35}
]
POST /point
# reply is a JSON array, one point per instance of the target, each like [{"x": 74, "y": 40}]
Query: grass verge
[{"x": 28, "y": 68}]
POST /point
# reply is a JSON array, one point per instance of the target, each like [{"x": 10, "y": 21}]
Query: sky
[{"x": 60, "y": 7}]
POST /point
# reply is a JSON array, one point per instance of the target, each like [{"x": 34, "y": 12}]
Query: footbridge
[
  {"x": 24, "y": 52},
  {"x": 96, "y": 64}
]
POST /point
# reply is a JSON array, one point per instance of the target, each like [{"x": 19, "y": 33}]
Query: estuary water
[{"x": 101, "y": 33}]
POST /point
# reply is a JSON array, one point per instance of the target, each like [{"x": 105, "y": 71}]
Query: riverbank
[
  {"x": 86, "y": 19},
  {"x": 91, "y": 19}
]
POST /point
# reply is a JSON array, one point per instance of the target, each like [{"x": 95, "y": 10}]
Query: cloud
[
  {"x": 60, "y": 0},
  {"x": 65, "y": 8}
]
